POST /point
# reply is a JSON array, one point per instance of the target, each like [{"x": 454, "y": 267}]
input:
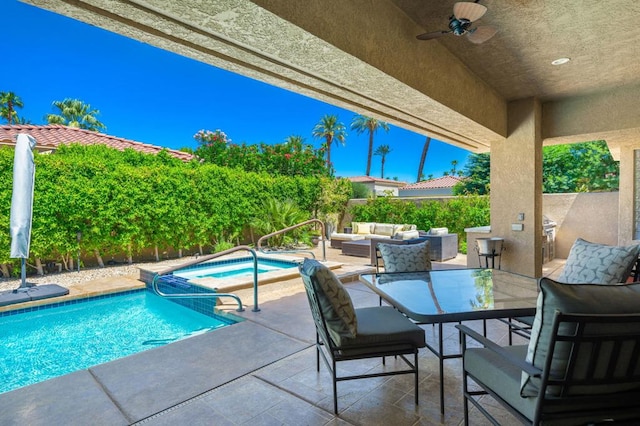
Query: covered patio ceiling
[{"x": 364, "y": 56}]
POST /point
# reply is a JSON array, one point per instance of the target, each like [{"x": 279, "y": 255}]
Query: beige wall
[{"x": 590, "y": 216}]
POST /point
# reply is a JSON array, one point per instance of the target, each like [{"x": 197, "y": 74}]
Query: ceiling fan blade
[
  {"x": 430, "y": 36},
  {"x": 468, "y": 11},
  {"x": 481, "y": 34}
]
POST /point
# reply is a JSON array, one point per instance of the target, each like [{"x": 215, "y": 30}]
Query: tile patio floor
[{"x": 259, "y": 372}]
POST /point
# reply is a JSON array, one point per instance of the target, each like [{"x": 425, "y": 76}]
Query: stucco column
[
  {"x": 516, "y": 188},
  {"x": 627, "y": 201}
]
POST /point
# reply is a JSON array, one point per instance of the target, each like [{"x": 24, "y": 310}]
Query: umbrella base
[{"x": 28, "y": 294}]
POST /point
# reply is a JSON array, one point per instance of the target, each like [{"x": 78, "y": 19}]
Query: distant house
[
  {"x": 50, "y": 136},
  {"x": 432, "y": 187},
  {"x": 379, "y": 186}
]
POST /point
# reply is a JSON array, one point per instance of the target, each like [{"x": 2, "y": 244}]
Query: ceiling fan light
[{"x": 468, "y": 11}]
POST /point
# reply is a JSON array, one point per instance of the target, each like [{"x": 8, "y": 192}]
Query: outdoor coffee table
[
  {"x": 361, "y": 248},
  {"x": 455, "y": 295}
]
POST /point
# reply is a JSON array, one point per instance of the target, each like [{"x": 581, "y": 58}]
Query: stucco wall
[{"x": 592, "y": 216}]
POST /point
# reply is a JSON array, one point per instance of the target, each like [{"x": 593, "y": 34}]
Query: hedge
[{"x": 127, "y": 202}]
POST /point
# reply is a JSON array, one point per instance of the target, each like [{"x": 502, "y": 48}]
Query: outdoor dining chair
[
  {"x": 344, "y": 333},
  {"x": 590, "y": 263},
  {"x": 581, "y": 366}
]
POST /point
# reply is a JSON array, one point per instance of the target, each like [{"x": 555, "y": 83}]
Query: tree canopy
[
  {"x": 361, "y": 124},
  {"x": 75, "y": 113},
  {"x": 332, "y": 131},
  {"x": 580, "y": 167}
]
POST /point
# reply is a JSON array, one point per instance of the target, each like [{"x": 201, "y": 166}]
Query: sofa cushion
[
  {"x": 362, "y": 227},
  {"x": 406, "y": 235},
  {"x": 405, "y": 257},
  {"x": 575, "y": 299},
  {"x": 346, "y": 237},
  {"x": 598, "y": 263},
  {"x": 386, "y": 229},
  {"x": 334, "y": 300}
]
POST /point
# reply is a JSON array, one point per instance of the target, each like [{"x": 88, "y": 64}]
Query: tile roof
[
  {"x": 52, "y": 135},
  {"x": 369, "y": 179},
  {"x": 441, "y": 182}
]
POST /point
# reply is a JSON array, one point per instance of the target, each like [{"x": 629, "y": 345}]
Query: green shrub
[{"x": 126, "y": 202}]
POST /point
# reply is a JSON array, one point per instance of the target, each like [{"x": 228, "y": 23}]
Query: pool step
[{"x": 174, "y": 281}]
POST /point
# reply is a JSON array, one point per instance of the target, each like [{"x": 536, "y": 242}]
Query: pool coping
[{"x": 227, "y": 284}]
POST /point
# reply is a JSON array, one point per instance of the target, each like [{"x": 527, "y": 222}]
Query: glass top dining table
[
  {"x": 455, "y": 295},
  {"x": 452, "y": 295}
]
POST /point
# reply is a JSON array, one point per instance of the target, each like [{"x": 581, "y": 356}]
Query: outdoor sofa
[{"x": 368, "y": 230}]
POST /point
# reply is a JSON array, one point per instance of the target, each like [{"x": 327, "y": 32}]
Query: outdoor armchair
[
  {"x": 344, "y": 333},
  {"x": 581, "y": 366}
]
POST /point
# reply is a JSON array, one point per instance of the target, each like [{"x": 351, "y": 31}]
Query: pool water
[
  {"x": 233, "y": 268},
  {"x": 46, "y": 343}
]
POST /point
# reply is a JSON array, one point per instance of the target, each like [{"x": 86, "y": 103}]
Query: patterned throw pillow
[
  {"x": 592, "y": 263},
  {"x": 334, "y": 300},
  {"x": 405, "y": 257}
]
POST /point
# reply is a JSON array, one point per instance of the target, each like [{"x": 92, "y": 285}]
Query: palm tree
[
  {"x": 9, "y": 101},
  {"x": 75, "y": 113},
  {"x": 331, "y": 131},
  {"x": 382, "y": 151},
  {"x": 454, "y": 164},
  {"x": 362, "y": 123},
  {"x": 423, "y": 158}
]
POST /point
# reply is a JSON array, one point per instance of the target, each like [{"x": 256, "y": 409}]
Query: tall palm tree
[
  {"x": 9, "y": 101},
  {"x": 362, "y": 123},
  {"x": 329, "y": 129},
  {"x": 423, "y": 158},
  {"x": 454, "y": 165},
  {"x": 382, "y": 151},
  {"x": 75, "y": 113}
]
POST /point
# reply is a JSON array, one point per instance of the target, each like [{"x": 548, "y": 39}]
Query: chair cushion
[
  {"x": 591, "y": 263},
  {"x": 501, "y": 377},
  {"x": 362, "y": 227},
  {"x": 382, "y": 328},
  {"x": 333, "y": 298},
  {"x": 405, "y": 257},
  {"x": 575, "y": 299}
]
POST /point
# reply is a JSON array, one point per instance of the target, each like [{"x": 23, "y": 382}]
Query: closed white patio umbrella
[{"x": 24, "y": 171}]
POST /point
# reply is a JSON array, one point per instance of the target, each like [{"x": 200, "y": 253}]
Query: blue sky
[{"x": 157, "y": 97}]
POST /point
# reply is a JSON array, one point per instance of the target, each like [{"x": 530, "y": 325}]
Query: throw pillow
[
  {"x": 362, "y": 228},
  {"x": 333, "y": 298},
  {"x": 591, "y": 263},
  {"x": 405, "y": 257},
  {"x": 575, "y": 299}
]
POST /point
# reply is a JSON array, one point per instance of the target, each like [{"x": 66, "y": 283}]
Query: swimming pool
[
  {"x": 232, "y": 268},
  {"x": 43, "y": 342}
]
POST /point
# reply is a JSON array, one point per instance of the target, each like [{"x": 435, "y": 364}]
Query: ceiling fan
[{"x": 464, "y": 14}]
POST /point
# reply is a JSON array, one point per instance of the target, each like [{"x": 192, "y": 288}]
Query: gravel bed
[{"x": 70, "y": 278}]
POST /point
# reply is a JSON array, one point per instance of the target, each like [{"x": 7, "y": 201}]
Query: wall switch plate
[
  {"x": 521, "y": 216},
  {"x": 517, "y": 226}
]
